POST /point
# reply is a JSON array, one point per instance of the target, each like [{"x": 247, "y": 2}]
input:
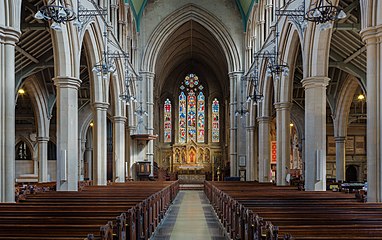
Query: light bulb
[
  {"x": 56, "y": 26},
  {"x": 285, "y": 71},
  {"x": 62, "y": 13},
  {"x": 39, "y": 15},
  {"x": 317, "y": 13},
  {"x": 77, "y": 23},
  {"x": 341, "y": 14}
]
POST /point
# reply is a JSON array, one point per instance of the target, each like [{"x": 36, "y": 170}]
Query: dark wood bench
[
  {"x": 120, "y": 211},
  {"x": 252, "y": 210}
]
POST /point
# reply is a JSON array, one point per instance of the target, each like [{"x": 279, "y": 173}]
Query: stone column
[
  {"x": 8, "y": 39},
  {"x": 237, "y": 124},
  {"x": 283, "y": 141},
  {"x": 89, "y": 159},
  {"x": 88, "y": 155},
  {"x": 373, "y": 89},
  {"x": 67, "y": 132},
  {"x": 119, "y": 148},
  {"x": 43, "y": 158},
  {"x": 264, "y": 149},
  {"x": 150, "y": 120},
  {"x": 81, "y": 165},
  {"x": 340, "y": 158},
  {"x": 251, "y": 150},
  {"x": 315, "y": 133},
  {"x": 100, "y": 143},
  {"x": 128, "y": 151}
]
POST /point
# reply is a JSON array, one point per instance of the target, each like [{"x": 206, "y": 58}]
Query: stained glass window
[
  {"x": 201, "y": 117},
  {"x": 167, "y": 121},
  {"x": 182, "y": 117},
  {"x": 215, "y": 120},
  {"x": 192, "y": 110},
  {"x": 191, "y": 115}
]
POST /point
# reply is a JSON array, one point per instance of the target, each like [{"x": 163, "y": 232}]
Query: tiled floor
[{"x": 190, "y": 217}]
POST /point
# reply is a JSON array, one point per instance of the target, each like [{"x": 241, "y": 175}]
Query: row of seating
[
  {"x": 119, "y": 211},
  {"x": 251, "y": 210}
]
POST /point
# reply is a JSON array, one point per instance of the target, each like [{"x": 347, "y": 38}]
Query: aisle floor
[{"x": 190, "y": 217}]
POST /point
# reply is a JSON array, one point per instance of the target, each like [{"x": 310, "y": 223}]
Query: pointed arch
[{"x": 174, "y": 21}]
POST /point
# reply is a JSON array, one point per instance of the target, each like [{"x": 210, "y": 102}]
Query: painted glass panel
[
  {"x": 167, "y": 121},
  {"x": 201, "y": 117},
  {"x": 182, "y": 118},
  {"x": 215, "y": 120},
  {"x": 191, "y": 115}
]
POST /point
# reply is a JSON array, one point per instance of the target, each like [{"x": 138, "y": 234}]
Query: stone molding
[
  {"x": 315, "y": 82},
  {"x": 67, "y": 82}
]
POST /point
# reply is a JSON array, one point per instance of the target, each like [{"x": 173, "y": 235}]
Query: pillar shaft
[
  {"x": 264, "y": 149},
  {"x": 315, "y": 133},
  {"x": 251, "y": 150},
  {"x": 67, "y": 133},
  {"x": 43, "y": 158},
  {"x": 283, "y": 142},
  {"x": 237, "y": 124},
  {"x": 100, "y": 143},
  {"x": 8, "y": 39},
  {"x": 374, "y": 131},
  {"x": 119, "y": 148},
  {"x": 340, "y": 158}
]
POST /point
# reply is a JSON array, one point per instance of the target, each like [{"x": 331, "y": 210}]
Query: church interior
[{"x": 227, "y": 102}]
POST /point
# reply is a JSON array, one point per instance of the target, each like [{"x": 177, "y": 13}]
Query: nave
[{"x": 190, "y": 217}]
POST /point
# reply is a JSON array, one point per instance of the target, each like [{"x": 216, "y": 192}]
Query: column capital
[
  {"x": 235, "y": 73},
  {"x": 100, "y": 105},
  {"x": 315, "y": 82},
  {"x": 147, "y": 73},
  {"x": 282, "y": 105},
  {"x": 264, "y": 119},
  {"x": 119, "y": 119},
  {"x": 340, "y": 139},
  {"x": 9, "y": 35},
  {"x": 250, "y": 128},
  {"x": 370, "y": 34},
  {"x": 67, "y": 82},
  {"x": 42, "y": 139}
]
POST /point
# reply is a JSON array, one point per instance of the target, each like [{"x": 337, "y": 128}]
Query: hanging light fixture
[
  {"x": 254, "y": 81},
  {"x": 242, "y": 111},
  {"x": 276, "y": 66},
  {"x": 57, "y": 11},
  {"x": 140, "y": 112},
  {"x": 126, "y": 96},
  {"x": 105, "y": 65},
  {"x": 322, "y": 12}
]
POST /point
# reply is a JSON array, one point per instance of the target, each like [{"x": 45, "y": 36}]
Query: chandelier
[
  {"x": 104, "y": 67},
  {"x": 323, "y": 12},
  {"x": 57, "y": 11},
  {"x": 278, "y": 69},
  {"x": 140, "y": 112},
  {"x": 126, "y": 96},
  {"x": 242, "y": 111},
  {"x": 254, "y": 81}
]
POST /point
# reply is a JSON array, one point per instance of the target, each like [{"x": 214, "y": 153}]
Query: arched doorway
[{"x": 351, "y": 174}]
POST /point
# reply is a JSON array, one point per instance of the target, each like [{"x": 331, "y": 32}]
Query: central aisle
[{"x": 190, "y": 217}]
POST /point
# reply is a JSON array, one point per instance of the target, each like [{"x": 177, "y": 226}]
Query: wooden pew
[
  {"x": 248, "y": 209},
  {"x": 120, "y": 211}
]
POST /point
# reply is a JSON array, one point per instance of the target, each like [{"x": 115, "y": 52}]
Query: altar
[{"x": 191, "y": 178}]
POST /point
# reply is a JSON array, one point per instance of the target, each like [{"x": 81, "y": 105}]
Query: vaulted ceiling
[{"x": 138, "y": 6}]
